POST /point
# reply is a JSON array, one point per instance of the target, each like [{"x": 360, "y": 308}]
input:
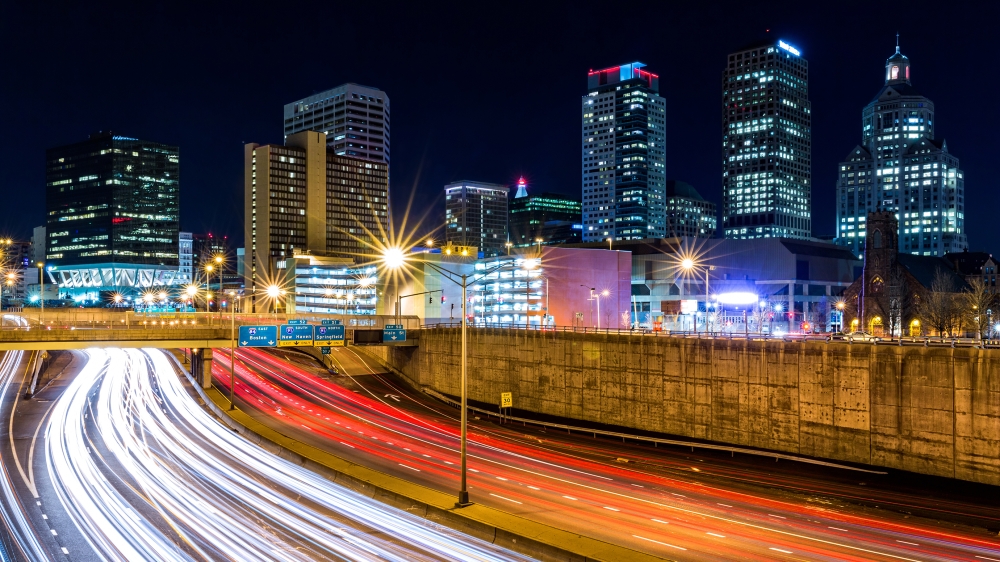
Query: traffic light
[
  {"x": 442, "y": 299},
  {"x": 430, "y": 300}
]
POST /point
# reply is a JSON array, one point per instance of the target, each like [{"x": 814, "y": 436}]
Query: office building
[
  {"x": 330, "y": 285},
  {"x": 302, "y": 198},
  {"x": 476, "y": 215},
  {"x": 38, "y": 244},
  {"x": 549, "y": 217},
  {"x": 549, "y": 286},
  {"x": 624, "y": 159},
  {"x": 769, "y": 285},
  {"x": 687, "y": 212},
  {"x": 900, "y": 167},
  {"x": 112, "y": 206},
  {"x": 354, "y": 118},
  {"x": 766, "y": 138},
  {"x": 186, "y": 257}
]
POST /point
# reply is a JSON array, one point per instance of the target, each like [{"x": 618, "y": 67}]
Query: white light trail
[{"x": 216, "y": 494}]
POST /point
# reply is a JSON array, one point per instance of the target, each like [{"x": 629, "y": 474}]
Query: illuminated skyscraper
[
  {"x": 112, "y": 206},
  {"x": 303, "y": 199},
  {"x": 767, "y": 140},
  {"x": 355, "y": 119},
  {"x": 476, "y": 215},
  {"x": 624, "y": 159},
  {"x": 899, "y": 167}
]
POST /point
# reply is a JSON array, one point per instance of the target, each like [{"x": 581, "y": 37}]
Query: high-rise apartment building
[
  {"x": 687, "y": 212},
  {"x": 767, "y": 143},
  {"x": 624, "y": 159},
  {"x": 303, "y": 198},
  {"x": 549, "y": 217},
  {"x": 899, "y": 167},
  {"x": 355, "y": 119},
  {"x": 112, "y": 206},
  {"x": 476, "y": 215}
]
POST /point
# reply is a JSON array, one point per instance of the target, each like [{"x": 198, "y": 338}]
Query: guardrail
[
  {"x": 924, "y": 341},
  {"x": 131, "y": 321}
]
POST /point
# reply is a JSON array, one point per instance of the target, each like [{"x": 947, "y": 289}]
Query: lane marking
[
  {"x": 660, "y": 521},
  {"x": 54, "y": 533},
  {"x": 679, "y": 495},
  {"x": 409, "y": 467},
  {"x": 906, "y": 542},
  {"x": 663, "y": 543},
  {"x": 45, "y": 516},
  {"x": 503, "y": 498},
  {"x": 779, "y": 550},
  {"x": 65, "y": 550},
  {"x": 612, "y": 508},
  {"x": 725, "y": 505},
  {"x": 638, "y": 485},
  {"x": 348, "y": 444},
  {"x": 838, "y": 529},
  {"x": 534, "y": 488},
  {"x": 987, "y": 558},
  {"x": 778, "y": 516},
  {"x": 473, "y": 470},
  {"x": 570, "y": 498},
  {"x": 501, "y": 478},
  {"x": 716, "y": 535},
  {"x": 448, "y": 462}
]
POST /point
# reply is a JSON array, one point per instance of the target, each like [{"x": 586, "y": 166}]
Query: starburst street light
[{"x": 393, "y": 259}]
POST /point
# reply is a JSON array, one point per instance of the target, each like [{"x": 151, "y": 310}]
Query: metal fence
[{"x": 925, "y": 341}]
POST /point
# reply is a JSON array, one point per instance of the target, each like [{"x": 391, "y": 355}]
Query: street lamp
[
  {"x": 528, "y": 265},
  {"x": 41, "y": 291},
  {"x": 274, "y": 292},
  {"x": 394, "y": 258},
  {"x": 840, "y": 307},
  {"x": 688, "y": 264},
  {"x": 232, "y": 352},
  {"x": 609, "y": 242},
  {"x": 509, "y": 245},
  {"x": 219, "y": 262}
]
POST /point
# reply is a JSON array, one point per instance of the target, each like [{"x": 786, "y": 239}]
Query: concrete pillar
[{"x": 201, "y": 366}]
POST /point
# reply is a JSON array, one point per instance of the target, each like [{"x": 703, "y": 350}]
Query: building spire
[
  {"x": 897, "y": 42},
  {"x": 522, "y": 190}
]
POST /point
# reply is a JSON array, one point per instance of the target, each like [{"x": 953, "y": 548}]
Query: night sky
[{"x": 478, "y": 91}]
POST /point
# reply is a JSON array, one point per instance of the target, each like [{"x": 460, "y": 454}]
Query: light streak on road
[
  {"x": 540, "y": 478},
  {"x": 18, "y": 526},
  {"x": 189, "y": 488}
]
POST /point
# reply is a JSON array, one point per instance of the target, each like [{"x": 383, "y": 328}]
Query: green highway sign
[
  {"x": 258, "y": 336},
  {"x": 329, "y": 335},
  {"x": 295, "y": 335}
]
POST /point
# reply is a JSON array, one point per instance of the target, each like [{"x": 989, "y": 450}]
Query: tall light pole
[
  {"x": 232, "y": 353},
  {"x": 395, "y": 258},
  {"x": 219, "y": 262},
  {"x": 41, "y": 293},
  {"x": 610, "y": 240},
  {"x": 273, "y": 292},
  {"x": 688, "y": 264},
  {"x": 508, "y": 245}
]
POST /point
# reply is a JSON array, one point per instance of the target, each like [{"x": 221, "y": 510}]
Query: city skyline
[{"x": 431, "y": 142}]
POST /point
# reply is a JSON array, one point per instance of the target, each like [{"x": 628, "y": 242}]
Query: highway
[
  {"x": 667, "y": 503},
  {"x": 130, "y": 466}
]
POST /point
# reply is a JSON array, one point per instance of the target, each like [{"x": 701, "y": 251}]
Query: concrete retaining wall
[{"x": 928, "y": 410}]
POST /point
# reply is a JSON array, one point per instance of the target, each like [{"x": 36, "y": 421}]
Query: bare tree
[
  {"x": 940, "y": 307},
  {"x": 977, "y": 300}
]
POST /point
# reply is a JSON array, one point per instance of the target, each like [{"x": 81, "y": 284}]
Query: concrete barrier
[{"x": 922, "y": 409}]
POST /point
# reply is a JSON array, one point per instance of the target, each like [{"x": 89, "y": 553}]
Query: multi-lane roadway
[
  {"x": 124, "y": 464},
  {"x": 668, "y": 503}
]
